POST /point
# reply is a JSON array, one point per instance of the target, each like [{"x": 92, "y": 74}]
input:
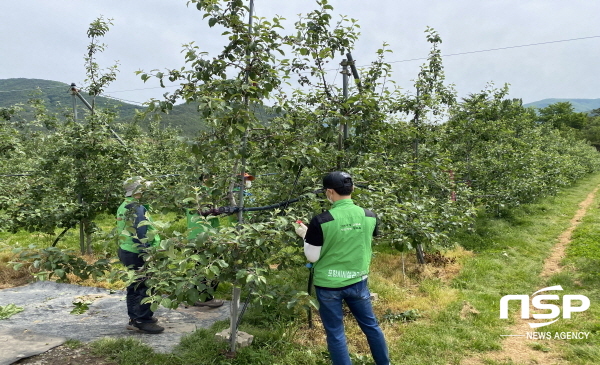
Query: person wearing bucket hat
[
  {"x": 338, "y": 242},
  {"x": 135, "y": 235},
  {"x": 132, "y": 185}
]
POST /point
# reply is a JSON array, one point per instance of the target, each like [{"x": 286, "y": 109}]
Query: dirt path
[
  {"x": 519, "y": 350},
  {"x": 552, "y": 263}
]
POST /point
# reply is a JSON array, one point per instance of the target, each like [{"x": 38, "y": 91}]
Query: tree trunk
[
  {"x": 420, "y": 254},
  {"x": 88, "y": 238}
]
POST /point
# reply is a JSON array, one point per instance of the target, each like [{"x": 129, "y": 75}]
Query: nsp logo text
[{"x": 568, "y": 306}]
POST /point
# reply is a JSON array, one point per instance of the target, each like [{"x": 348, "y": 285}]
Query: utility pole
[
  {"x": 245, "y": 138},
  {"x": 343, "y": 127},
  {"x": 345, "y": 75},
  {"x": 74, "y": 99},
  {"x": 237, "y": 291},
  {"x": 74, "y": 93},
  {"x": 419, "y": 247}
]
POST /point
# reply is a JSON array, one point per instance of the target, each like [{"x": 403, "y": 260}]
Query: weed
[
  {"x": 539, "y": 347},
  {"x": 73, "y": 344},
  {"x": 406, "y": 316},
  {"x": 80, "y": 307},
  {"x": 9, "y": 310}
]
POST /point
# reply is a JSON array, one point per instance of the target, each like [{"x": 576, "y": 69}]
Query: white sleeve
[{"x": 311, "y": 252}]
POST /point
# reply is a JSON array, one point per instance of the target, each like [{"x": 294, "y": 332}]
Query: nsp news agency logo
[{"x": 570, "y": 304}]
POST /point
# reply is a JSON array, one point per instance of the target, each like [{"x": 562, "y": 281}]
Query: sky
[{"x": 542, "y": 48}]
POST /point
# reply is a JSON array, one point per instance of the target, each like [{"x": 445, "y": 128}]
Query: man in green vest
[
  {"x": 136, "y": 233},
  {"x": 338, "y": 241}
]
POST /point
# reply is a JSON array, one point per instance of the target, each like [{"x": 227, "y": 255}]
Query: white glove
[{"x": 301, "y": 230}]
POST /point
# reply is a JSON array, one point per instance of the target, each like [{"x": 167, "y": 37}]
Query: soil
[
  {"x": 552, "y": 264},
  {"x": 67, "y": 355}
]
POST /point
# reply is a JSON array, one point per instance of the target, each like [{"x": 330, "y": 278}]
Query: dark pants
[
  {"x": 210, "y": 284},
  {"x": 136, "y": 291}
]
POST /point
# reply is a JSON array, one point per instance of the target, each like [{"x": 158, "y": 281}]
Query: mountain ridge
[
  {"x": 579, "y": 105},
  {"x": 58, "y": 99},
  {"x": 183, "y": 116}
]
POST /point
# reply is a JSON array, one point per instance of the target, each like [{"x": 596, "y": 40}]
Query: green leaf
[
  {"x": 222, "y": 263},
  {"x": 166, "y": 302},
  {"x": 9, "y": 310},
  {"x": 193, "y": 295},
  {"x": 60, "y": 273},
  {"x": 80, "y": 307}
]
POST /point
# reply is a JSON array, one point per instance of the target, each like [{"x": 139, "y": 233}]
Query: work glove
[{"x": 301, "y": 230}]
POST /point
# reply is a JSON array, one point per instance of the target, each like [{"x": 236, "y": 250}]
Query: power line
[
  {"x": 399, "y": 61},
  {"x": 122, "y": 100},
  {"x": 146, "y": 88},
  {"x": 499, "y": 49}
]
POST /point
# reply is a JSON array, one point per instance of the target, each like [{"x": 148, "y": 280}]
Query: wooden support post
[{"x": 235, "y": 305}]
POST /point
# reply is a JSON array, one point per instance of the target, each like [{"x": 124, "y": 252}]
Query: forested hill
[
  {"x": 56, "y": 94},
  {"x": 579, "y": 105},
  {"x": 58, "y": 98}
]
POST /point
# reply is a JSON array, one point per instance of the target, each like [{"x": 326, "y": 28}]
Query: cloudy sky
[{"x": 542, "y": 48}]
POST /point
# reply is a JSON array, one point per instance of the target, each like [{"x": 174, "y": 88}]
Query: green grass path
[{"x": 510, "y": 253}]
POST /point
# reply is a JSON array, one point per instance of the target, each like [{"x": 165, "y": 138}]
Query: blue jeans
[
  {"x": 136, "y": 291},
  {"x": 358, "y": 299}
]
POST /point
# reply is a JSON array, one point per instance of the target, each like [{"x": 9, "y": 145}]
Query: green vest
[
  {"x": 125, "y": 223},
  {"x": 346, "y": 252}
]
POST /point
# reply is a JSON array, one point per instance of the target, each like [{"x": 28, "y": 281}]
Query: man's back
[{"x": 347, "y": 232}]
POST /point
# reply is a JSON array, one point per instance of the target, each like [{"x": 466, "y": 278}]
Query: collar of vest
[
  {"x": 130, "y": 199},
  {"x": 342, "y": 202}
]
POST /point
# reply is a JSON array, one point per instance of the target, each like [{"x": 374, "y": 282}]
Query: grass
[
  {"x": 582, "y": 276},
  {"x": 458, "y": 303},
  {"x": 73, "y": 344},
  {"x": 509, "y": 257}
]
